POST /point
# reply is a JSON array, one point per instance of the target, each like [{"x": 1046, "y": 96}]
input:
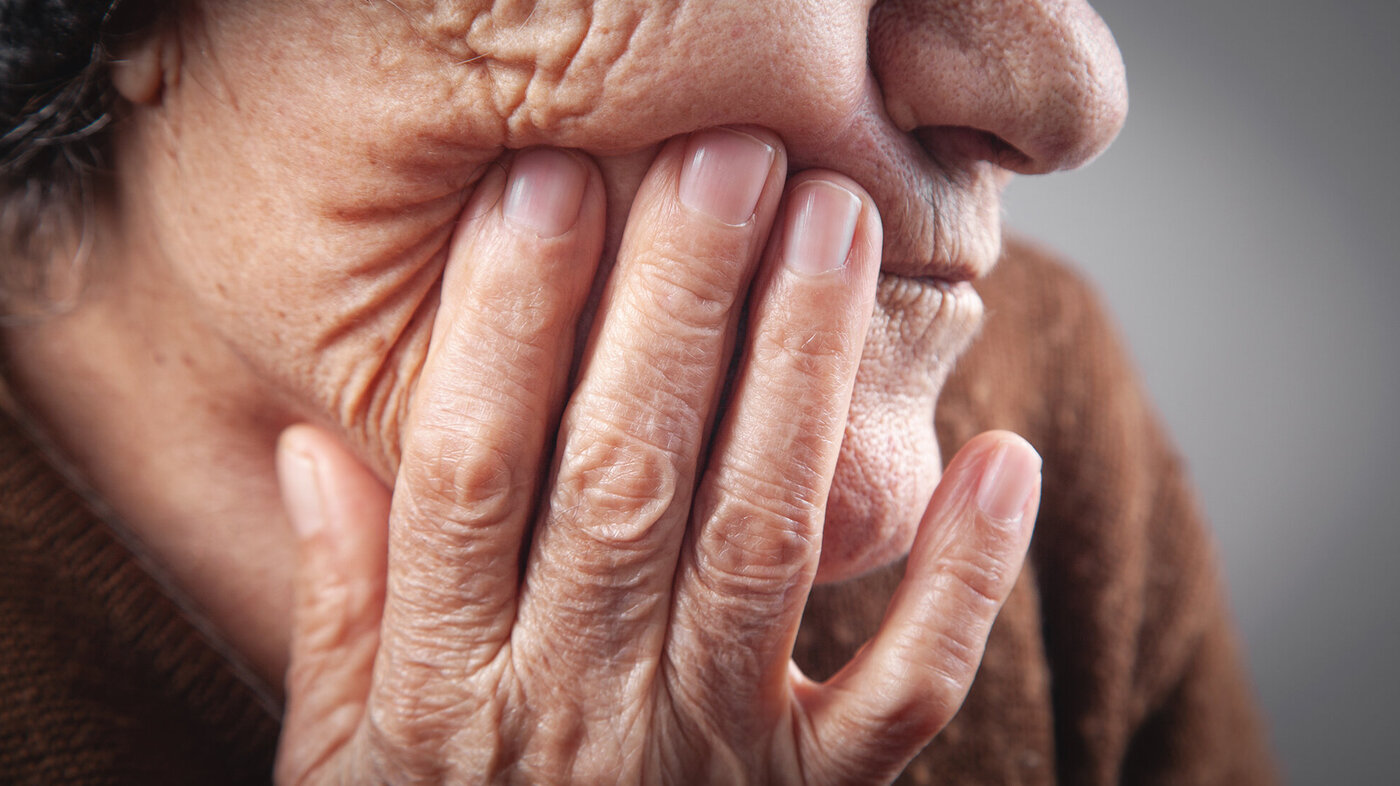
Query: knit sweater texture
[{"x": 1113, "y": 662}]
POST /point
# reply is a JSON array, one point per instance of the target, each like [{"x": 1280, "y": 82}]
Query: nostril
[
  {"x": 1033, "y": 86},
  {"x": 954, "y": 147}
]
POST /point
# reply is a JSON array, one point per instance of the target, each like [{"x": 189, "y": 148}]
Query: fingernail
[
  {"x": 1008, "y": 479},
  {"x": 724, "y": 173},
  {"x": 302, "y": 492},
  {"x": 545, "y": 191},
  {"x": 820, "y": 227}
]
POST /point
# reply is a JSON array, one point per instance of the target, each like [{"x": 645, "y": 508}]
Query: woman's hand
[{"x": 604, "y": 585}]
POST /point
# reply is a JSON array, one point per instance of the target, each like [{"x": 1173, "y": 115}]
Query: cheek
[
  {"x": 315, "y": 266},
  {"x": 307, "y": 195},
  {"x": 639, "y": 77}
]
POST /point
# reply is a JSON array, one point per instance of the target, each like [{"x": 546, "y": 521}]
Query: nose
[{"x": 1031, "y": 85}]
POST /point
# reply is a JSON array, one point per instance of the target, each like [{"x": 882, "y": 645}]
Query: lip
[
  {"x": 962, "y": 267},
  {"x": 928, "y": 323},
  {"x": 942, "y": 274},
  {"x": 940, "y": 300},
  {"x": 960, "y": 238}
]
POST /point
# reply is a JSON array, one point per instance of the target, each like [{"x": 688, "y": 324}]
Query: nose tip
[
  {"x": 1042, "y": 82},
  {"x": 1072, "y": 114}
]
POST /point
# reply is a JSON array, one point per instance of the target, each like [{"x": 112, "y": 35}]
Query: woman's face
[{"x": 289, "y": 194}]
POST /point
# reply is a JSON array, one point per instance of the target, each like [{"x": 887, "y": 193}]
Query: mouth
[
  {"x": 960, "y": 267},
  {"x": 957, "y": 241},
  {"x": 941, "y": 302}
]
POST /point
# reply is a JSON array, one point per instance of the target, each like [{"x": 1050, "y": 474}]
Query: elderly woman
[{"x": 500, "y": 378}]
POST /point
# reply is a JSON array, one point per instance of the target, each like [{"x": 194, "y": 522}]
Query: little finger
[{"x": 912, "y": 677}]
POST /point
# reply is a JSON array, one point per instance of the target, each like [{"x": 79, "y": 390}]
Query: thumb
[{"x": 340, "y": 514}]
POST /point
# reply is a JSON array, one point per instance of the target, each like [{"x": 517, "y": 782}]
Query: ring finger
[{"x": 597, "y": 587}]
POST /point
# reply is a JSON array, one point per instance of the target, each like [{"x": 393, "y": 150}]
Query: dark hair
[{"x": 55, "y": 100}]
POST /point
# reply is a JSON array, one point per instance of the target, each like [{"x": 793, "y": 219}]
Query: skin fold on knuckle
[
  {"x": 491, "y": 359},
  {"x": 454, "y": 486},
  {"x": 805, "y": 353},
  {"x": 527, "y": 307},
  {"x": 657, "y": 392},
  {"x": 778, "y": 462},
  {"x": 686, "y": 300},
  {"x": 754, "y": 553},
  {"x": 953, "y": 657},
  {"x": 491, "y": 370},
  {"x": 615, "y": 486},
  {"x": 965, "y": 599},
  {"x": 405, "y": 741},
  {"x": 975, "y": 582},
  {"x": 781, "y": 463},
  {"x": 573, "y": 629},
  {"x": 563, "y": 725},
  {"x": 448, "y": 627},
  {"x": 926, "y": 694},
  {"x": 787, "y": 429},
  {"x": 711, "y": 735},
  {"x": 419, "y": 715}
]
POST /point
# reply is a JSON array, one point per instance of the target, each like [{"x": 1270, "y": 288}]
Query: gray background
[{"x": 1244, "y": 232}]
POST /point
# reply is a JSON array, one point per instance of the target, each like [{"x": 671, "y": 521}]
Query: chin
[
  {"x": 890, "y": 462},
  {"x": 884, "y": 479}
]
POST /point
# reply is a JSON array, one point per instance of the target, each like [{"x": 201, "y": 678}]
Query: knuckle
[
  {"x": 920, "y": 715},
  {"x": 332, "y": 617},
  {"x": 958, "y": 654},
  {"x": 454, "y": 485},
  {"x": 421, "y": 726},
  {"x": 971, "y": 590},
  {"x": 810, "y": 350},
  {"x": 524, "y": 306},
  {"x": 477, "y": 374},
  {"x": 405, "y": 737},
  {"x": 977, "y": 583},
  {"x": 923, "y": 692},
  {"x": 616, "y": 487},
  {"x": 782, "y": 471},
  {"x": 387, "y": 761},
  {"x": 756, "y": 540},
  {"x": 693, "y": 291}
]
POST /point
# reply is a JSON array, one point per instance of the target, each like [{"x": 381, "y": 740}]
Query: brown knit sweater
[{"x": 1113, "y": 661}]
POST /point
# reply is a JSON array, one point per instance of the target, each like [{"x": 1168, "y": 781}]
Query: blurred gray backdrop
[{"x": 1245, "y": 231}]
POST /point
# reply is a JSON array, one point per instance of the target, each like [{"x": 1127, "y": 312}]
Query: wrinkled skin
[{"x": 280, "y": 249}]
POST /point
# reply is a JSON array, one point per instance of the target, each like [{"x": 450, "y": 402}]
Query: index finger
[{"x": 517, "y": 275}]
